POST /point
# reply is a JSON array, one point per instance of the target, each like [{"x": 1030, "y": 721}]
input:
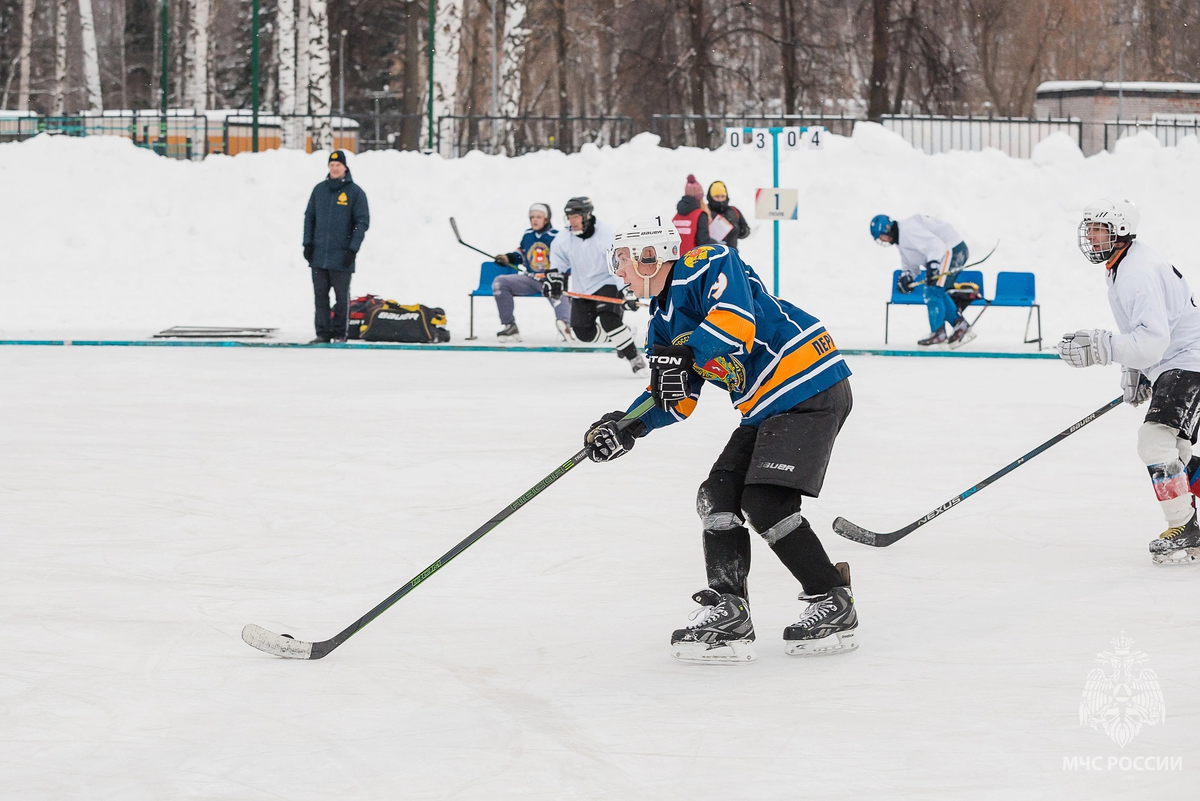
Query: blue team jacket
[{"x": 766, "y": 353}]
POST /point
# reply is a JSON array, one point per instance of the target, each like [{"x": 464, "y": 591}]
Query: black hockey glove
[
  {"x": 605, "y": 440},
  {"x": 554, "y": 284},
  {"x": 348, "y": 259},
  {"x": 308, "y": 253},
  {"x": 931, "y": 273},
  {"x": 905, "y": 283},
  {"x": 631, "y": 300},
  {"x": 503, "y": 260},
  {"x": 669, "y": 368}
]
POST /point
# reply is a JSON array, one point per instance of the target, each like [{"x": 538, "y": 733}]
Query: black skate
[
  {"x": 935, "y": 338},
  {"x": 961, "y": 335},
  {"x": 829, "y": 625},
  {"x": 509, "y": 333},
  {"x": 721, "y": 634},
  {"x": 1177, "y": 545}
]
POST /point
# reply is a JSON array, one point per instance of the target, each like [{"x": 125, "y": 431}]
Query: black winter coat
[
  {"x": 741, "y": 229},
  {"x": 335, "y": 221}
]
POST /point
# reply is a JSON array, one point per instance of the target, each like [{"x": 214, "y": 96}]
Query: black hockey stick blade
[
  {"x": 287, "y": 647},
  {"x": 454, "y": 225},
  {"x": 844, "y": 528}
]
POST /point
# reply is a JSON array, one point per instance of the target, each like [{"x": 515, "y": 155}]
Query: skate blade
[
  {"x": 736, "y": 652},
  {"x": 1183, "y": 556},
  {"x": 967, "y": 337},
  {"x": 842, "y": 642}
]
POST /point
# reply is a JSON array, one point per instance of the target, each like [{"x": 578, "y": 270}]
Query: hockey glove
[
  {"x": 904, "y": 284},
  {"x": 631, "y": 299},
  {"x": 931, "y": 273},
  {"x": 606, "y": 441},
  {"x": 1086, "y": 347},
  {"x": 554, "y": 285},
  {"x": 502, "y": 260},
  {"x": 669, "y": 368},
  {"x": 308, "y": 253},
  {"x": 1135, "y": 387},
  {"x": 348, "y": 260}
]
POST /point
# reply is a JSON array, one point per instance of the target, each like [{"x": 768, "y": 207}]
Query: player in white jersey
[
  {"x": 582, "y": 251},
  {"x": 931, "y": 252},
  {"x": 1158, "y": 349}
]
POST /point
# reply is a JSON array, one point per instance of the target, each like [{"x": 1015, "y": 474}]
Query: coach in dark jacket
[
  {"x": 718, "y": 204},
  {"x": 335, "y": 223}
]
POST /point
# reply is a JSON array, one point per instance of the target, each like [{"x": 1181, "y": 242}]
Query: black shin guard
[
  {"x": 775, "y": 514},
  {"x": 726, "y": 540}
]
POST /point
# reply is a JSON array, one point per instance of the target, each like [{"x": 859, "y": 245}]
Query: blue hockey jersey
[
  {"x": 766, "y": 353},
  {"x": 534, "y": 250}
]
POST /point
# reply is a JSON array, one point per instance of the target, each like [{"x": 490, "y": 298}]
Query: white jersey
[
  {"x": 585, "y": 259},
  {"x": 924, "y": 239},
  {"x": 1155, "y": 313}
]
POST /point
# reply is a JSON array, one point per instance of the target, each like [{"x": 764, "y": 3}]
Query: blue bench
[
  {"x": 488, "y": 272},
  {"x": 1012, "y": 289}
]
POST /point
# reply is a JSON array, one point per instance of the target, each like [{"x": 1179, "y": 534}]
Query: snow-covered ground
[
  {"x": 103, "y": 238},
  {"x": 153, "y": 502}
]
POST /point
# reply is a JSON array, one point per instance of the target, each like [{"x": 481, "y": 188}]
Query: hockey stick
[
  {"x": 601, "y": 298},
  {"x": 454, "y": 225},
  {"x": 850, "y": 531},
  {"x": 288, "y": 647},
  {"x": 985, "y": 258}
]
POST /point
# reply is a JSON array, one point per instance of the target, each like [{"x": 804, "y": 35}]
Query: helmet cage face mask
[{"x": 1097, "y": 253}]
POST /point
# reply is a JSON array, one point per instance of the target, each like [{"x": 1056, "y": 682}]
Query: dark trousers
[
  {"x": 331, "y": 326},
  {"x": 597, "y": 321}
]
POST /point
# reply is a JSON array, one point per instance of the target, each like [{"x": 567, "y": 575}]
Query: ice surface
[{"x": 153, "y": 502}]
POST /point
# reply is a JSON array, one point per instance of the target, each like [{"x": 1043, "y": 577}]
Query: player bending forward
[
  {"x": 711, "y": 318},
  {"x": 1158, "y": 348}
]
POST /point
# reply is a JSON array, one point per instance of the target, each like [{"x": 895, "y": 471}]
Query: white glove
[
  {"x": 1086, "y": 347},
  {"x": 1135, "y": 389}
]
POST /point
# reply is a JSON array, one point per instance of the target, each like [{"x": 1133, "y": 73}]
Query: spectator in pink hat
[{"x": 687, "y": 213}]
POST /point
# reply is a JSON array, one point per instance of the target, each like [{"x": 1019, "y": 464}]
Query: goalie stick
[
  {"x": 288, "y": 647},
  {"x": 850, "y": 531}
]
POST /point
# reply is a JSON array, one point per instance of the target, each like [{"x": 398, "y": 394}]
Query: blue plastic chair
[
  {"x": 488, "y": 272},
  {"x": 917, "y": 296},
  {"x": 1020, "y": 289}
]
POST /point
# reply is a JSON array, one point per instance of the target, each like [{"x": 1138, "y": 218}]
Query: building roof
[{"x": 1113, "y": 87}]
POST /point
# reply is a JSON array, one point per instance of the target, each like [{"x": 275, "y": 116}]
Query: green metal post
[
  {"x": 162, "y": 121},
  {"x": 432, "y": 26},
  {"x": 254, "y": 77}
]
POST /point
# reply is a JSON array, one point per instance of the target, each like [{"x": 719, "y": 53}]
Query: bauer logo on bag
[{"x": 1122, "y": 696}]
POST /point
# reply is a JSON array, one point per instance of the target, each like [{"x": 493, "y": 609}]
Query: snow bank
[{"x": 105, "y": 237}]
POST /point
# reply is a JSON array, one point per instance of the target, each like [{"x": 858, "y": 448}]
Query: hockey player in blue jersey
[
  {"x": 932, "y": 253},
  {"x": 712, "y": 320},
  {"x": 532, "y": 262}
]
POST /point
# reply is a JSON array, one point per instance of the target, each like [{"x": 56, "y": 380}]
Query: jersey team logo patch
[
  {"x": 697, "y": 254},
  {"x": 538, "y": 257},
  {"x": 724, "y": 369}
]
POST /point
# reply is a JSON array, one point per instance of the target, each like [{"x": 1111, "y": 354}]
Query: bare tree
[{"x": 23, "y": 56}]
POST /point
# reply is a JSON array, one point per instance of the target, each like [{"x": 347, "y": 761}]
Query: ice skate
[
  {"x": 961, "y": 335},
  {"x": 1178, "y": 545},
  {"x": 721, "y": 634},
  {"x": 829, "y": 625},
  {"x": 564, "y": 330},
  {"x": 639, "y": 367},
  {"x": 935, "y": 338},
  {"x": 509, "y": 333}
]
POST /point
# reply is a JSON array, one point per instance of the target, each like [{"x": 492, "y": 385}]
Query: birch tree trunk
[
  {"x": 91, "y": 57},
  {"x": 196, "y": 75},
  {"x": 26, "y": 48},
  {"x": 285, "y": 44},
  {"x": 60, "y": 59},
  {"x": 303, "y": 72},
  {"x": 447, "y": 36},
  {"x": 322, "y": 89},
  {"x": 516, "y": 37}
]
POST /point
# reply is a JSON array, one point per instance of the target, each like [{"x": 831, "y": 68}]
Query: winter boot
[
  {"x": 1177, "y": 545},
  {"x": 321, "y": 340},
  {"x": 937, "y": 337},
  {"x": 564, "y": 330},
  {"x": 722, "y": 632},
  {"x": 829, "y": 624},
  {"x": 509, "y": 333}
]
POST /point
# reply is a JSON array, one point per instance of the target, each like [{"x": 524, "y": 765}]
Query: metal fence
[
  {"x": 1016, "y": 136},
  {"x": 1167, "y": 132},
  {"x": 179, "y": 135},
  {"x": 708, "y": 130},
  {"x": 514, "y": 136},
  {"x": 306, "y": 132}
]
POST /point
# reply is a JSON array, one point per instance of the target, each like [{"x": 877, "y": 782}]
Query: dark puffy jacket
[
  {"x": 335, "y": 221},
  {"x": 741, "y": 229}
]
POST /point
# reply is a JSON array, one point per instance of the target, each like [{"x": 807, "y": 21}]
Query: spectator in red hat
[{"x": 687, "y": 213}]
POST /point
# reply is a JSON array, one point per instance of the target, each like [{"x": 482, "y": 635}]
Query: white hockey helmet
[
  {"x": 1105, "y": 223},
  {"x": 647, "y": 239}
]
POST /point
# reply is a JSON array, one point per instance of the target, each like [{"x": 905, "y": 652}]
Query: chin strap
[{"x": 646, "y": 279}]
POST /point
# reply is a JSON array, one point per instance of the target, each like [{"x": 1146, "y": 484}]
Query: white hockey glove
[
  {"x": 1135, "y": 388},
  {"x": 1086, "y": 347}
]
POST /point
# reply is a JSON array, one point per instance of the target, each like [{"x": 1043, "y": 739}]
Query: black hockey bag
[
  {"x": 964, "y": 294},
  {"x": 392, "y": 322},
  {"x": 361, "y": 310}
]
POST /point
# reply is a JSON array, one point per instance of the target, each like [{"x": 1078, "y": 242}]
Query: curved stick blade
[
  {"x": 276, "y": 644},
  {"x": 844, "y": 528}
]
